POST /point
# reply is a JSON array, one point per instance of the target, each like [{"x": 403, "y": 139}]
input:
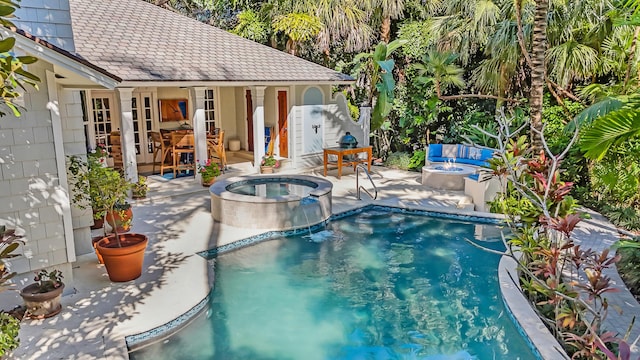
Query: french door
[{"x": 142, "y": 113}]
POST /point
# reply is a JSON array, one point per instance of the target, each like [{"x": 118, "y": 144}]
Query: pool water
[
  {"x": 272, "y": 187},
  {"x": 377, "y": 285}
]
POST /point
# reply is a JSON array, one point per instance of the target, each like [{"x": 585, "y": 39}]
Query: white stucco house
[{"x": 108, "y": 65}]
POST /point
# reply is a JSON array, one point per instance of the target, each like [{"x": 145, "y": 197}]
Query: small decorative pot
[
  {"x": 266, "y": 169},
  {"x": 41, "y": 305},
  {"x": 208, "y": 182},
  {"x": 97, "y": 223}
]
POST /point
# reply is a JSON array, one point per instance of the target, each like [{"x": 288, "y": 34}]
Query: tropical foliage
[
  {"x": 15, "y": 77},
  {"x": 558, "y": 64},
  {"x": 542, "y": 217}
]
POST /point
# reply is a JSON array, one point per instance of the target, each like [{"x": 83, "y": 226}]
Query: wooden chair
[
  {"x": 183, "y": 149},
  {"x": 161, "y": 146},
  {"x": 215, "y": 148}
]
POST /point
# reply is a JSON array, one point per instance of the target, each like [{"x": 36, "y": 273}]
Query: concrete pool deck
[{"x": 97, "y": 314}]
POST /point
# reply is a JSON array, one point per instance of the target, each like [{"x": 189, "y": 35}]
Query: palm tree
[
  {"x": 298, "y": 27},
  {"x": 386, "y": 10},
  {"x": 440, "y": 68},
  {"x": 345, "y": 22},
  {"x": 538, "y": 72}
]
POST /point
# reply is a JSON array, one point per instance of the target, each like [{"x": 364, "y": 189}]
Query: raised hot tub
[{"x": 271, "y": 202}]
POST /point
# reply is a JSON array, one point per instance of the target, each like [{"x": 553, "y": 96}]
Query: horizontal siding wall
[{"x": 30, "y": 193}]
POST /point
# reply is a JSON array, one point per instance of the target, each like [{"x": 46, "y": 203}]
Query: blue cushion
[
  {"x": 474, "y": 177},
  {"x": 470, "y": 162},
  {"x": 435, "y": 150},
  {"x": 439, "y": 159},
  {"x": 486, "y": 154},
  {"x": 478, "y": 163}
]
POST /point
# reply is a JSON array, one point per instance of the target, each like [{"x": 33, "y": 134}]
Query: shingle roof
[
  {"x": 139, "y": 41},
  {"x": 64, "y": 52}
]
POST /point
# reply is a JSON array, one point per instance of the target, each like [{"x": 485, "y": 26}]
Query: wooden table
[{"x": 341, "y": 152}]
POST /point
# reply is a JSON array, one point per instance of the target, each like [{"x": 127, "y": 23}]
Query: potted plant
[
  {"x": 120, "y": 217},
  {"x": 140, "y": 188},
  {"x": 42, "y": 298},
  {"x": 208, "y": 172},
  {"x": 9, "y": 324},
  {"x": 9, "y": 330},
  {"x": 87, "y": 178},
  {"x": 123, "y": 254},
  {"x": 268, "y": 164},
  {"x": 9, "y": 243}
]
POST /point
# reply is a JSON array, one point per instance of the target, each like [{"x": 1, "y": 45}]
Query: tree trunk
[
  {"x": 538, "y": 70},
  {"x": 385, "y": 30}
]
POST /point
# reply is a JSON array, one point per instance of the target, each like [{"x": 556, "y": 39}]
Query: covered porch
[{"x": 300, "y": 120}]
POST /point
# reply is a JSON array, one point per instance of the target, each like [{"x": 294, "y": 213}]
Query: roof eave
[{"x": 214, "y": 83}]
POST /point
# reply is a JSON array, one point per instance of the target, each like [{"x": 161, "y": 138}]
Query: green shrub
[
  {"x": 398, "y": 160},
  {"x": 623, "y": 216},
  {"x": 629, "y": 268},
  {"x": 9, "y": 328},
  {"x": 417, "y": 160}
]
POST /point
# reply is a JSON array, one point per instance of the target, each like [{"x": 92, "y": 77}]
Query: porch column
[
  {"x": 257, "y": 94},
  {"x": 127, "y": 136},
  {"x": 199, "y": 126}
]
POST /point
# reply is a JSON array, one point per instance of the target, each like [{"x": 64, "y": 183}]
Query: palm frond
[
  {"x": 611, "y": 129},
  {"x": 572, "y": 60},
  {"x": 602, "y": 108}
]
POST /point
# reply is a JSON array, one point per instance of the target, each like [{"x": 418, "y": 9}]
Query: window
[{"x": 209, "y": 110}]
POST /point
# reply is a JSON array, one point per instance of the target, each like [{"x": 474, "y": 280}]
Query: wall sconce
[{"x": 315, "y": 127}]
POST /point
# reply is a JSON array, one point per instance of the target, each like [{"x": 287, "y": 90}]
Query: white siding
[{"x": 31, "y": 196}]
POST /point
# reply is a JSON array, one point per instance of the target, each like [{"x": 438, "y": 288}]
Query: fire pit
[{"x": 447, "y": 176}]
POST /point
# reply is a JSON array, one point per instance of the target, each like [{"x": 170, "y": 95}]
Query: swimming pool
[{"x": 376, "y": 285}]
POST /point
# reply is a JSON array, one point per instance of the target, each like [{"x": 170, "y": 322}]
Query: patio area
[{"x": 97, "y": 314}]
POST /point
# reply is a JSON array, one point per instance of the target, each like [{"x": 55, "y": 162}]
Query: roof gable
[{"x": 139, "y": 41}]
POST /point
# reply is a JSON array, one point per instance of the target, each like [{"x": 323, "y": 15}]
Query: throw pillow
[
  {"x": 449, "y": 151},
  {"x": 463, "y": 152},
  {"x": 475, "y": 153}
]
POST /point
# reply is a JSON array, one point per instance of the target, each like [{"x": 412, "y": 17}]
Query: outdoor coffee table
[
  {"x": 341, "y": 152},
  {"x": 446, "y": 176}
]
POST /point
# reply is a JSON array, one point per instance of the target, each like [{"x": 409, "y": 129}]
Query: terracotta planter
[
  {"x": 120, "y": 219},
  {"x": 123, "y": 263},
  {"x": 41, "y": 305},
  {"x": 208, "y": 182},
  {"x": 94, "y": 243},
  {"x": 97, "y": 223},
  {"x": 266, "y": 169}
]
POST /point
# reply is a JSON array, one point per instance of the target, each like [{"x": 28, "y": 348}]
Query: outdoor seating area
[
  {"x": 459, "y": 154},
  {"x": 174, "y": 150},
  {"x": 458, "y": 167}
]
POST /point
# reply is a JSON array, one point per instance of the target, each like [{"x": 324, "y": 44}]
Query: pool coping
[
  {"x": 518, "y": 308},
  {"x": 219, "y": 188}
]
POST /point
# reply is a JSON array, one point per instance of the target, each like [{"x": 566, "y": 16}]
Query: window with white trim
[{"x": 209, "y": 110}]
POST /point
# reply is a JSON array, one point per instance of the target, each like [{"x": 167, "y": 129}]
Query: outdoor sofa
[{"x": 480, "y": 191}]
